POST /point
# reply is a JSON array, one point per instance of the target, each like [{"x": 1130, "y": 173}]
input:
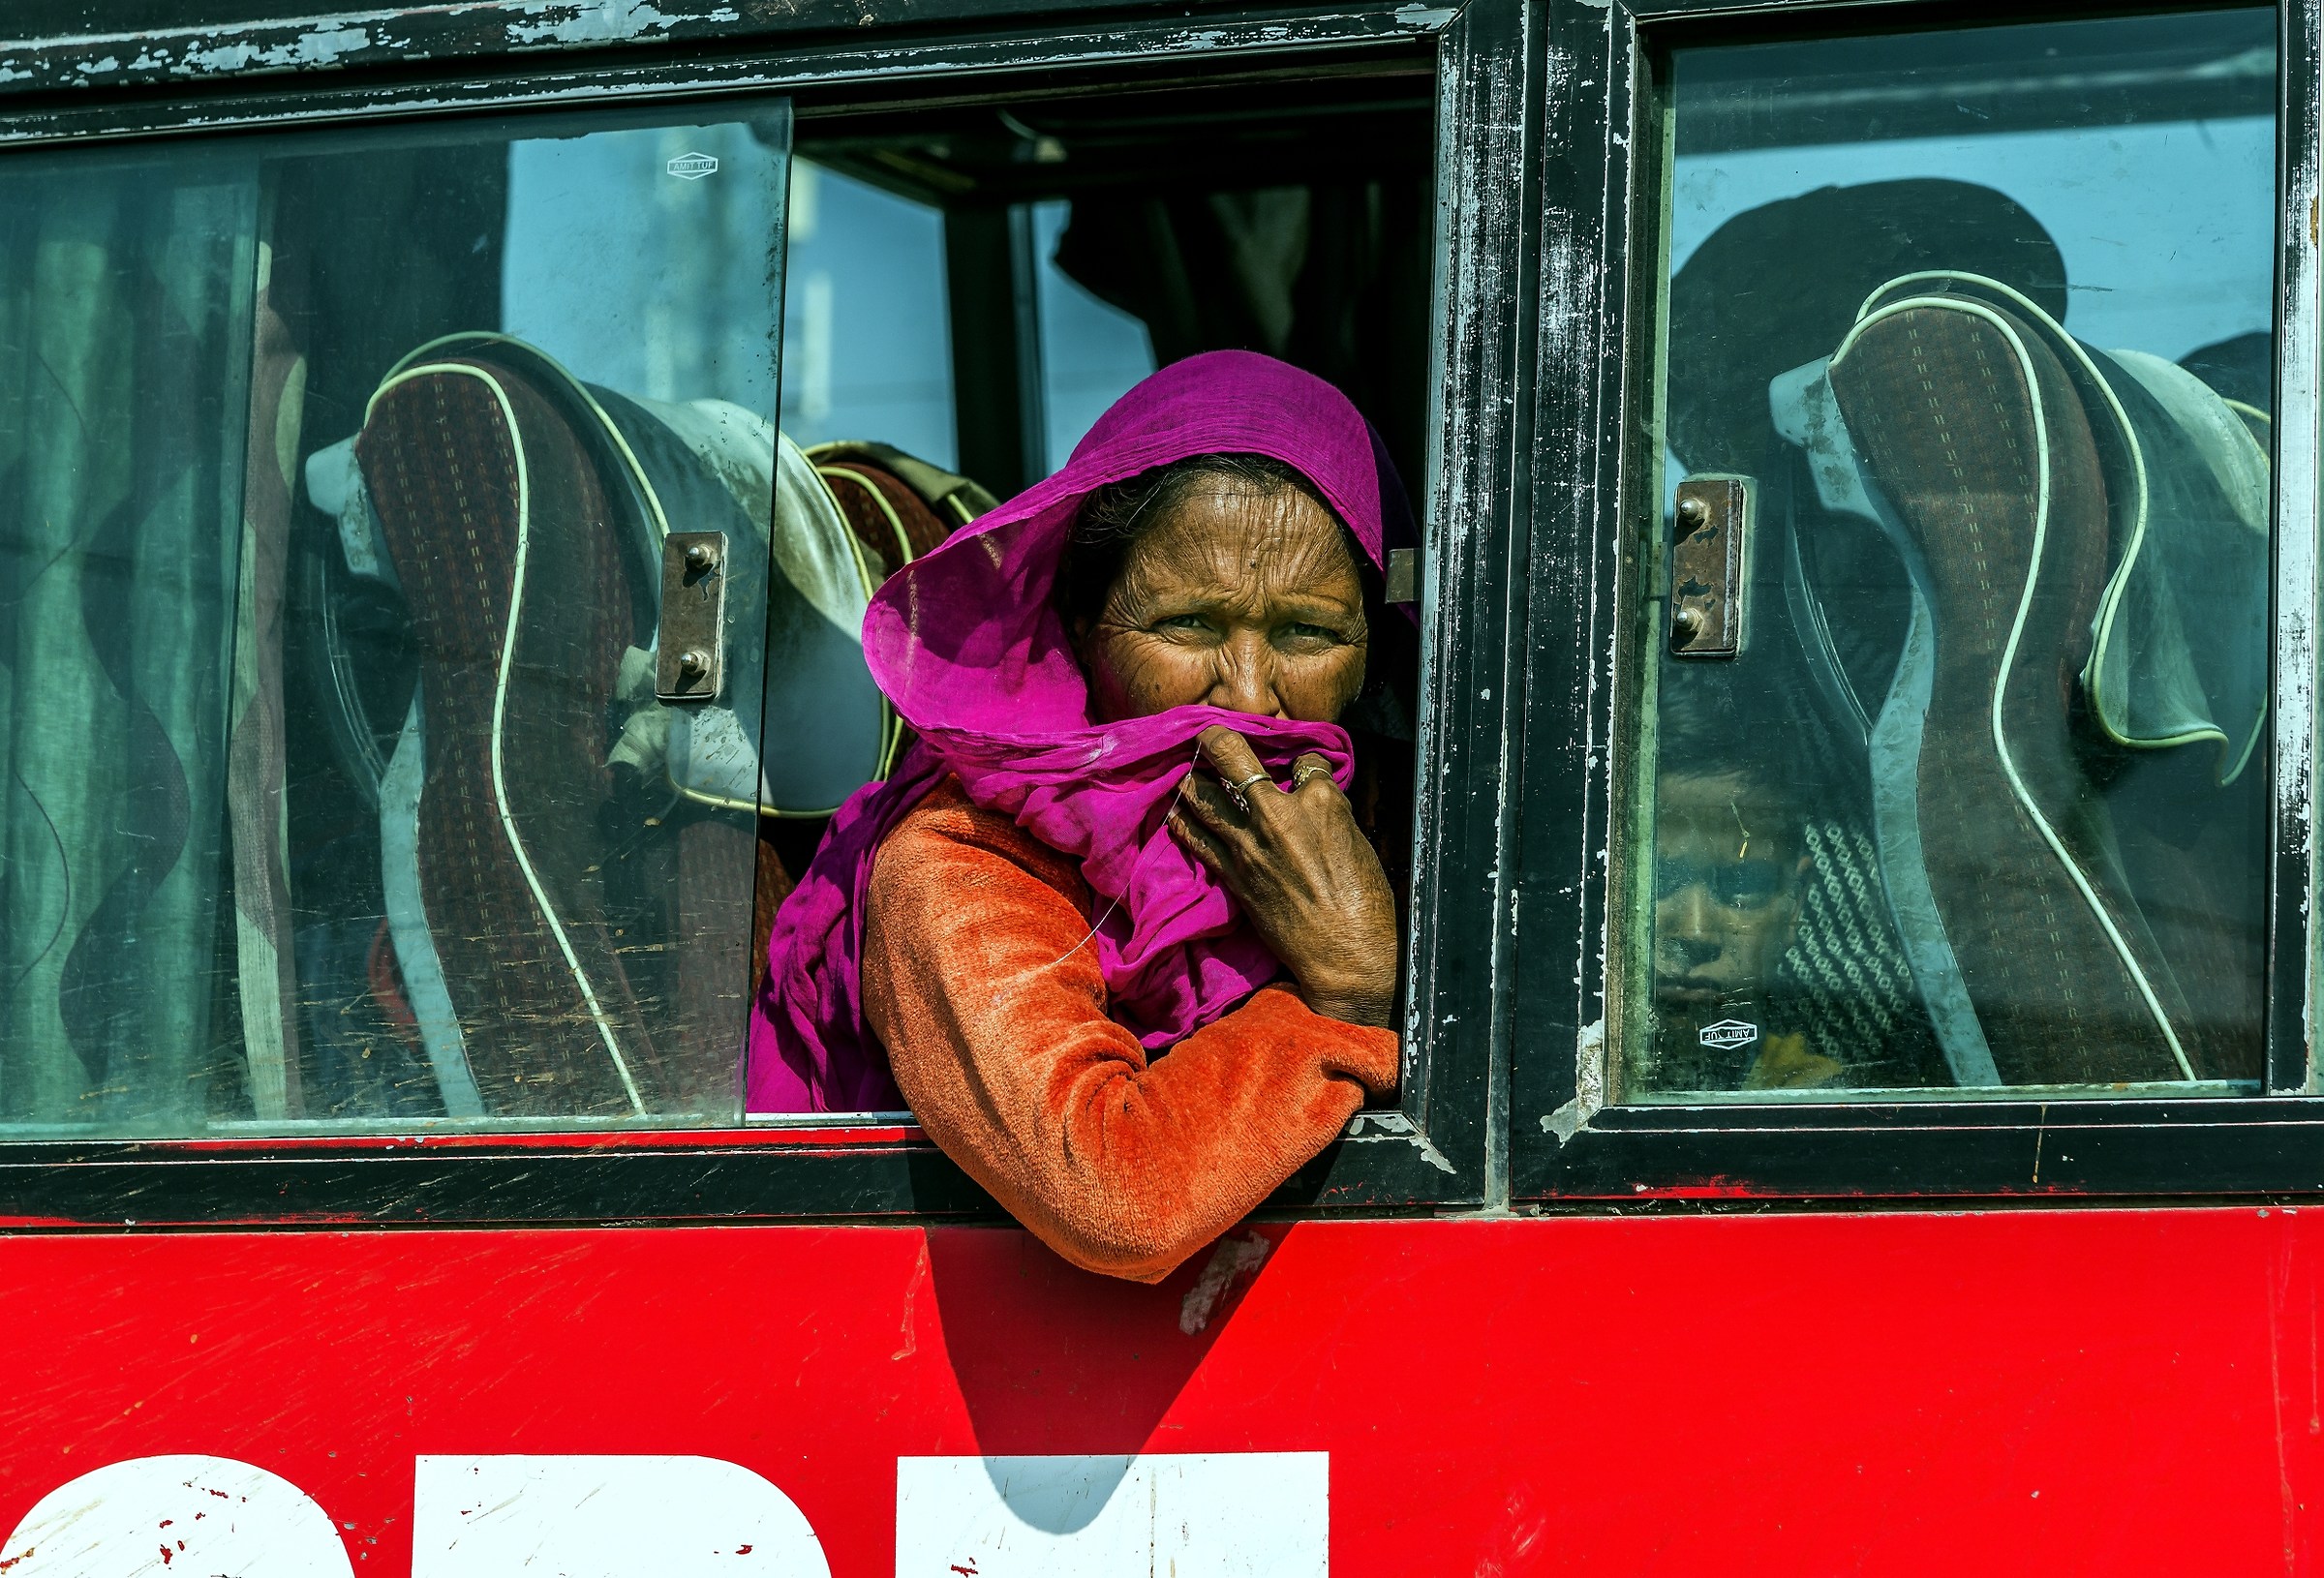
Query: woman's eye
[
  {"x": 1183, "y": 621},
  {"x": 1308, "y": 632}
]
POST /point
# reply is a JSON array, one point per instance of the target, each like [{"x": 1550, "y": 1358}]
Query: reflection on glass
[
  {"x": 335, "y": 479},
  {"x": 867, "y": 331},
  {"x": 1966, "y": 394}
]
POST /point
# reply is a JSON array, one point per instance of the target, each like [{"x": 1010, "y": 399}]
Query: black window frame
[
  {"x": 1442, "y": 1147},
  {"x": 1594, "y": 368}
]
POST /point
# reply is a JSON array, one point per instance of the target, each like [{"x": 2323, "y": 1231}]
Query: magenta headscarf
[{"x": 966, "y": 645}]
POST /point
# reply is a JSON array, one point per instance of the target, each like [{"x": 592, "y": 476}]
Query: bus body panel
[{"x": 2007, "y": 1392}]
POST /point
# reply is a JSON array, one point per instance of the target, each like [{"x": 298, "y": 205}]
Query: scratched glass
[
  {"x": 384, "y": 602},
  {"x": 1955, "y": 769}
]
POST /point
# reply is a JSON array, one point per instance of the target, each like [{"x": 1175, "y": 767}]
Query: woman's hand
[{"x": 1303, "y": 872}]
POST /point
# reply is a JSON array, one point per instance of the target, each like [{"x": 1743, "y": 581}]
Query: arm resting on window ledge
[{"x": 994, "y": 1021}]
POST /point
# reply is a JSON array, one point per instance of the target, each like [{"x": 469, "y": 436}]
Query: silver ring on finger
[
  {"x": 1235, "y": 789},
  {"x": 1311, "y": 770}
]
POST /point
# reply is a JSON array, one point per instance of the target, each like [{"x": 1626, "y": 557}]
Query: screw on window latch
[
  {"x": 1710, "y": 570},
  {"x": 693, "y": 632}
]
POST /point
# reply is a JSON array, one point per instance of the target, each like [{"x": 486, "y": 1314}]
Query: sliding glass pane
[
  {"x": 384, "y": 531},
  {"x": 1956, "y": 777}
]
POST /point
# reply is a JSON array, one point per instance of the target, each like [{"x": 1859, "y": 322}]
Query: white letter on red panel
[
  {"x": 210, "y": 1516},
  {"x": 1195, "y": 1515},
  {"x": 605, "y": 1517}
]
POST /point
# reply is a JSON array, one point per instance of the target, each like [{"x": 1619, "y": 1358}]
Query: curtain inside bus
[
  {"x": 126, "y": 302},
  {"x": 239, "y": 389}
]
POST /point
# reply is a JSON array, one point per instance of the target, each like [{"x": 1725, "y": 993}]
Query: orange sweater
[{"x": 994, "y": 1021}]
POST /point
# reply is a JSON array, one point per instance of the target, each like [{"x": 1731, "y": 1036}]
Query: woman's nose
[{"x": 1245, "y": 680}]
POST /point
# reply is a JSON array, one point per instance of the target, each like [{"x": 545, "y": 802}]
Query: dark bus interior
[{"x": 1335, "y": 280}]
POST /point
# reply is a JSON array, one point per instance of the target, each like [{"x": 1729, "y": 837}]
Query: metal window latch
[
  {"x": 691, "y": 647},
  {"x": 1710, "y": 565},
  {"x": 1403, "y": 576}
]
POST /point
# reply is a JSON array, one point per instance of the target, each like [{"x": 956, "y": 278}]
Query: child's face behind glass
[{"x": 1728, "y": 869}]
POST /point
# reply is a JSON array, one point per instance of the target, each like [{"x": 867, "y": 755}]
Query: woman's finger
[
  {"x": 1211, "y": 805},
  {"x": 1232, "y": 758},
  {"x": 1311, "y": 767}
]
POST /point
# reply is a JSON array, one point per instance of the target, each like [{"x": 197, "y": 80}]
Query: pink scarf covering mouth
[{"x": 966, "y": 645}]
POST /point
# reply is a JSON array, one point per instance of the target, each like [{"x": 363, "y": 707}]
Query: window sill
[{"x": 872, "y": 1167}]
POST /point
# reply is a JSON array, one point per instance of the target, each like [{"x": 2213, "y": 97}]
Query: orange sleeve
[{"x": 994, "y": 1021}]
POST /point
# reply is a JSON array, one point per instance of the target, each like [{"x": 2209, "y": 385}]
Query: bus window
[
  {"x": 385, "y": 564},
  {"x": 1954, "y": 775},
  {"x": 1079, "y": 244},
  {"x": 1186, "y": 331}
]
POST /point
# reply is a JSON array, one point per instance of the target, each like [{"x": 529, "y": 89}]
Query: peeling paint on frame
[
  {"x": 2299, "y": 474},
  {"x": 479, "y": 29},
  {"x": 1589, "y": 1065},
  {"x": 1052, "y": 47},
  {"x": 603, "y": 21}
]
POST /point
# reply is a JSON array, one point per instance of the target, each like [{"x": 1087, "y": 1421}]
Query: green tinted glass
[
  {"x": 1957, "y": 699},
  {"x": 347, "y": 783}
]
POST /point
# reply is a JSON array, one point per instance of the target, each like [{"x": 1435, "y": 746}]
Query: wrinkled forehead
[{"x": 1242, "y": 538}]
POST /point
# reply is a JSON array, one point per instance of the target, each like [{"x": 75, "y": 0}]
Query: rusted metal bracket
[
  {"x": 1710, "y": 565},
  {"x": 690, "y": 648}
]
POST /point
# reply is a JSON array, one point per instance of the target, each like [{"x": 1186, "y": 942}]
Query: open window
[
  {"x": 1052, "y": 249},
  {"x": 973, "y": 285}
]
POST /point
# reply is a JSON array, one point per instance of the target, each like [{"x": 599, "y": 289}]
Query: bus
[{"x": 1853, "y": 820}]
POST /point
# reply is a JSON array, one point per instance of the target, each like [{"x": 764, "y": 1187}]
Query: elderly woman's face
[{"x": 1237, "y": 599}]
